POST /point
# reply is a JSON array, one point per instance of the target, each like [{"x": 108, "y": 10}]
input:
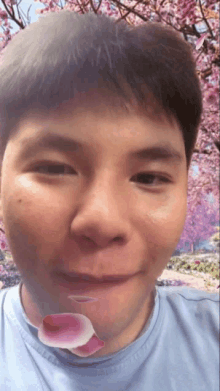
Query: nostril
[
  {"x": 117, "y": 239},
  {"x": 87, "y": 239},
  {"x": 89, "y": 242}
]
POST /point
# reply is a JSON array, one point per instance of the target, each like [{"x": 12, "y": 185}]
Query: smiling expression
[{"x": 96, "y": 193}]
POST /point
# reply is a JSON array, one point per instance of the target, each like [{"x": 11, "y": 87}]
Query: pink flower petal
[
  {"x": 200, "y": 41},
  {"x": 91, "y": 347},
  {"x": 70, "y": 331}
]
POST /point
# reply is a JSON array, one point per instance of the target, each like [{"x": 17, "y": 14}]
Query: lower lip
[{"x": 77, "y": 285}]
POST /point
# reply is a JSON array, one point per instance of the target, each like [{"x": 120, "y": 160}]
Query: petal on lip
[
  {"x": 70, "y": 331},
  {"x": 82, "y": 299}
]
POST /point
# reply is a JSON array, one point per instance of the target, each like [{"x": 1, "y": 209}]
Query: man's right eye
[{"x": 54, "y": 169}]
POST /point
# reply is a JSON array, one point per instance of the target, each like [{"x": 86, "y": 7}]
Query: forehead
[
  {"x": 105, "y": 107},
  {"x": 102, "y": 102}
]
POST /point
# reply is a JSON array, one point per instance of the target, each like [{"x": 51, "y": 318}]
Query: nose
[{"x": 101, "y": 217}]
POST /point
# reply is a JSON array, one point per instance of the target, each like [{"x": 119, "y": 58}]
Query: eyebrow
[
  {"x": 49, "y": 141},
  {"x": 162, "y": 152}
]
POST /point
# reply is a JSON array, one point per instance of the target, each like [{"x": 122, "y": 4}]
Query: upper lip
[{"x": 91, "y": 278}]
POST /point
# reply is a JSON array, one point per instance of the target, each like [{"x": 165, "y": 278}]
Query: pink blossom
[
  {"x": 212, "y": 97},
  {"x": 200, "y": 41},
  {"x": 70, "y": 331},
  {"x": 2, "y": 245},
  {"x": 3, "y": 14}
]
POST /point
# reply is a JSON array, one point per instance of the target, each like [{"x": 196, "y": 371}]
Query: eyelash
[
  {"x": 152, "y": 175},
  {"x": 53, "y": 167},
  {"x": 73, "y": 172}
]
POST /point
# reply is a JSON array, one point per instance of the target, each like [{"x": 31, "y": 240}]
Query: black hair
[{"x": 65, "y": 54}]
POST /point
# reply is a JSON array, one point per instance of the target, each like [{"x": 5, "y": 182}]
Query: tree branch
[
  {"x": 81, "y": 7},
  {"x": 128, "y": 9},
  {"x": 217, "y": 144},
  {"x": 12, "y": 15},
  {"x": 93, "y": 7},
  {"x": 125, "y": 15},
  {"x": 205, "y": 20}
]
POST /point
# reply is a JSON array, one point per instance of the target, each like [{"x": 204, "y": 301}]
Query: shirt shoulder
[
  {"x": 188, "y": 293},
  {"x": 193, "y": 308},
  {"x": 3, "y": 293}
]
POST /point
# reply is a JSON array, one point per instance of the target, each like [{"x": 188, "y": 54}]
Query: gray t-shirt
[{"x": 178, "y": 350}]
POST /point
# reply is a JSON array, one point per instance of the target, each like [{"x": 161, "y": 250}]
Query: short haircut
[{"x": 65, "y": 54}]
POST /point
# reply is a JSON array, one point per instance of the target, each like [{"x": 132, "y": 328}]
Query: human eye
[
  {"x": 150, "y": 179},
  {"x": 53, "y": 169}
]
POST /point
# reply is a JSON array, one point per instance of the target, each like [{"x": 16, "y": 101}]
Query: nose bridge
[
  {"x": 103, "y": 195},
  {"x": 101, "y": 215}
]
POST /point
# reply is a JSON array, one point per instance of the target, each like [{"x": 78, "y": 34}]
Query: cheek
[
  {"x": 33, "y": 220},
  {"x": 162, "y": 230},
  {"x": 164, "y": 220},
  {"x": 36, "y": 205}
]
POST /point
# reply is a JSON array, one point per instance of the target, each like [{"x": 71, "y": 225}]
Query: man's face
[{"x": 101, "y": 207}]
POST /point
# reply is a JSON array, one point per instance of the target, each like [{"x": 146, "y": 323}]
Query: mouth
[
  {"x": 78, "y": 277},
  {"x": 85, "y": 281}
]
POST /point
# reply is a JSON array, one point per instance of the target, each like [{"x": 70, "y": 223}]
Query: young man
[{"x": 98, "y": 125}]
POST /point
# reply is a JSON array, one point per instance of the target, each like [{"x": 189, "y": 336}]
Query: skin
[{"x": 95, "y": 218}]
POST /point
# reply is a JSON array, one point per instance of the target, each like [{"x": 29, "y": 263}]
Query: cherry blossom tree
[
  {"x": 198, "y": 22},
  {"x": 215, "y": 239},
  {"x": 200, "y": 224}
]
